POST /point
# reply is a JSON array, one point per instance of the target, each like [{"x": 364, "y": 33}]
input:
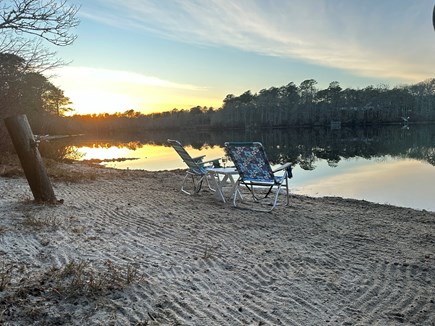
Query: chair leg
[
  {"x": 184, "y": 182},
  {"x": 287, "y": 192},
  {"x": 207, "y": 176},
  {"x": 269, "y": 191},
  {"x": 275, "y": 200},
  {"x": 278, "y": 190},
  {"x": 251, "y": 191},
  {"x": 236, "y": 193},
  {"x": 196, "y": 184}
]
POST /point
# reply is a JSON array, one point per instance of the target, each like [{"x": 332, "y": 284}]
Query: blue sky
[{"x": 156, "y": 55}]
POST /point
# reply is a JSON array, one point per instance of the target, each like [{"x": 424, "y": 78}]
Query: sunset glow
[{"x": 106, "y": 91}]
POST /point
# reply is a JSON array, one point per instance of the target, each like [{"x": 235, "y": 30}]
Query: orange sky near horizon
[{"x": 97, "y": 91}]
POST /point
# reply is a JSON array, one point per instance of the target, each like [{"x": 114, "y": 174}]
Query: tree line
[
  {"x": 280, "y": 107},
  {"x": 25, "y": 90}
]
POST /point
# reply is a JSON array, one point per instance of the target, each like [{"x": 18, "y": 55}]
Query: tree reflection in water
[{"x": 303, "y": 147}]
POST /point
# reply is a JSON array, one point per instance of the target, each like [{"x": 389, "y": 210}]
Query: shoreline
[{"x": 163, "y": 258}]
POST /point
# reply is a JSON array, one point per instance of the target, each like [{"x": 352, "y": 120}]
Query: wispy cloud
[
  {"x": 99, "y": 76},
  {"x": 389, "y": 38}
]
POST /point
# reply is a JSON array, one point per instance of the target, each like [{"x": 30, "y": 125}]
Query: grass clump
[
  {"x": 70, "y": 172},
  {"x": 5, "y": 277},
  {"x": 40, "y": 223},
  {"x": 10, "y": 167},
  {"x": 79, "y": 278},
  {"x": 45, "y": 296}
]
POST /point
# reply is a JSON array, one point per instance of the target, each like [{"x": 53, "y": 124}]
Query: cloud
[
  {"x": 390, "y": 38},
  {"x": 97, "y": 76}
]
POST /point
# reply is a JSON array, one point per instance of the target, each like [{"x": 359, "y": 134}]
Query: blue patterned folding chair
[
  {"x": 197, "y": 171},
  {"x": 255, "y": 173}
]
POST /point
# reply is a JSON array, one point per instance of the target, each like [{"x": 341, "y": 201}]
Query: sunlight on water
[
  {"x": 147, "y": 157},
  {"x": 103, "y": 153},
  {"x": 385, "y": 180}
]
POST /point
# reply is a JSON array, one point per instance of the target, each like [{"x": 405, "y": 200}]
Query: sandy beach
[{"x": 128, "y": 248}]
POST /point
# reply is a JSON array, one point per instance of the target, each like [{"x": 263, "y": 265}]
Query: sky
[{"x": 157, "y": 55}]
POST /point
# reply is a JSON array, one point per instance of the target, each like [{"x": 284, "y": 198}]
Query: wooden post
[{"x": 30, "y": 158}]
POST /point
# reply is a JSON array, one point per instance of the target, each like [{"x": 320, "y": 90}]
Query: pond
[{"x": 389, "y": 165}]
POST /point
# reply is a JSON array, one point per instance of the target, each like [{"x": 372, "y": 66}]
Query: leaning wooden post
[{"x": 30, "y": 158}]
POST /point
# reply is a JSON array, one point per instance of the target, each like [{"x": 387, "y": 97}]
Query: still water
[{"x": 386, "y": 165}]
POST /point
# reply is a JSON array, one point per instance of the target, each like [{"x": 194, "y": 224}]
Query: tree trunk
[{"x": 30, "y": 158}]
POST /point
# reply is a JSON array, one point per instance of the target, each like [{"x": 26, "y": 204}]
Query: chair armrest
[
  {"x": 198, "y": 159},
  {"x": 215, "y": 162},
  {"x": 282, "y": 167}
]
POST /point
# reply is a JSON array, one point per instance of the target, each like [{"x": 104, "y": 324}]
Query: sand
[{"x": 130, "y": 249}]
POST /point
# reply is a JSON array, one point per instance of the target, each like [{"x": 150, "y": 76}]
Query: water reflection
[
  {"x": 303, "y": 147},
  {"x": 395, "y": 181},
  {"x": 358, "y": 163}
]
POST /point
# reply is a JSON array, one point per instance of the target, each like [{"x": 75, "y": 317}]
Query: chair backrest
[
  {"x": 191, "y": 163},
  {"x": 250, "y": 160}
]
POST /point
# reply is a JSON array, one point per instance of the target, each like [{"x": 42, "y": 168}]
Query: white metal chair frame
[
  {"x": 254, "y": 170},
  {"x": 197, "y": 171}
]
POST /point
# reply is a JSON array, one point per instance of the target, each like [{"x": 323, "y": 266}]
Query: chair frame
[
  {"x": 263, "y": 176},
  {"x": 197, "y": 171}
]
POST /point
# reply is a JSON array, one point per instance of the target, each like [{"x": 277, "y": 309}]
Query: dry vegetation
[
  {"x": 76, "y": 283},
  {"x": 10, "y": 166},
  {"x": 67, "y": 172}
]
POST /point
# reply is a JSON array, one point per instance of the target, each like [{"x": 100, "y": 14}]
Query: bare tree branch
[
  {"x": 38, "y": 58},
  {"x": 26, "y": 24},
  {"x": 50, "y": 20}
]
